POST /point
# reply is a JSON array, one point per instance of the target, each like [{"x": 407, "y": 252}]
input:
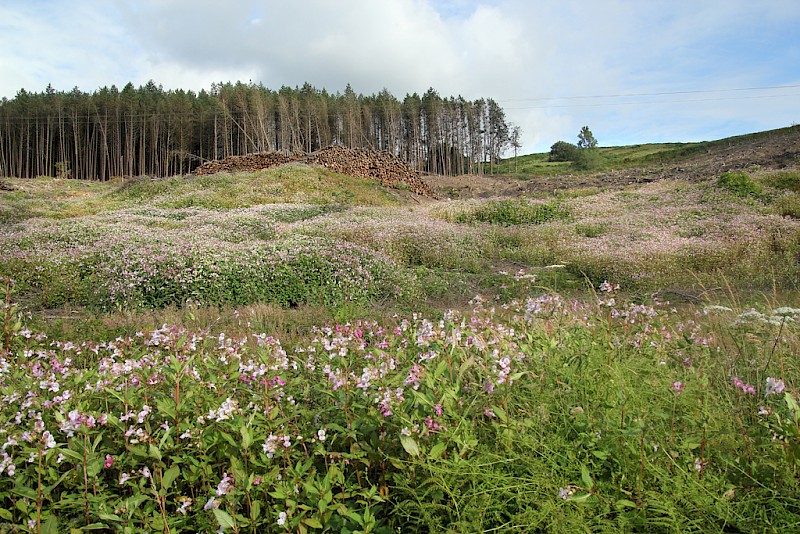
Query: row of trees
[{"x": 149, "y": 131}]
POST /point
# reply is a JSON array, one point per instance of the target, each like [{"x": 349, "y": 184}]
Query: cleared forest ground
[
  {"x": 757, "y": 153},
  {"x": 297, "y": 349}
]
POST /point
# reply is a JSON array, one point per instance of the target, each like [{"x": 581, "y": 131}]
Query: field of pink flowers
[{"x": 547, "y": 414}]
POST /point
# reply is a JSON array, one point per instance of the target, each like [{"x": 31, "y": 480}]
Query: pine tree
[{"x": 586, "y": 139}]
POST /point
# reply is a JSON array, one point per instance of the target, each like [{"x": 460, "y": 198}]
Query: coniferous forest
[{"x": 155, "y": 132}]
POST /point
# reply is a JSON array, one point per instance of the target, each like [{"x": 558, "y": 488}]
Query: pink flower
[
  {"x": 433, "y": 426},
  {"x": 109, "y": 461},
  {"x": 678, "y": 386},
  {"x": 745, "y": 388},
  {"x": 186, "y": 504},
  {"x": 281, "y": 519},
  {"x": 774, "y": 386},
  {"x": 225, "y": 485}
]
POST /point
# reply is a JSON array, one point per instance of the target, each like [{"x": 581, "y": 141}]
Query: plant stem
[
  {"x": 774, "y": 345},
  {"x": 39, "y": 495},
  {"x": 85, "y": 480},
  {"x": 7, "y": 341}
]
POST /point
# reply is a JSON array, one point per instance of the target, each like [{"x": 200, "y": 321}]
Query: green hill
[{"x": 643, "y": 155}]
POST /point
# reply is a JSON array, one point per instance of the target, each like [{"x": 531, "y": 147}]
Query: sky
[{"x": 634, "y": 71}]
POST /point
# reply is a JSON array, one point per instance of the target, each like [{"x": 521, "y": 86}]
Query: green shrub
[
  {"x": 591, "y": 230},
  {"x": 587, "y": 159},
  {"x": 738, "y": 183},
  {"x": 583, "y": 159},
  {"x": 786, "y": 180},
  {"x": 789, "y": 206},
  {"x": 514, "y": 212},
  {"x": 563, "y": 151}
]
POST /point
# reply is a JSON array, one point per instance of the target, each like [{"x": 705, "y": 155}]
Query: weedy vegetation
[{"x": 298, "y": 351}]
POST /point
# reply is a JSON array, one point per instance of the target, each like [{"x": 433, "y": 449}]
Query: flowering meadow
[
  {"x": 544, "y": 414},
  {"x": 570, "y": 396}
]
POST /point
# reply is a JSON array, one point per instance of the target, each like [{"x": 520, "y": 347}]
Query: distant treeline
[{"x": 150, "y": 131}]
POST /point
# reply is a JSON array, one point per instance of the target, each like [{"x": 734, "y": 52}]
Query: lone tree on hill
[
  {"x": 563, "y": 151},
  {"x": 586, "y": 138}
]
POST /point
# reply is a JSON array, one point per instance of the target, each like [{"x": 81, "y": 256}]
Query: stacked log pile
[
  {"x": 389, "y": 170},
  {"x": 247, "y": 163}
]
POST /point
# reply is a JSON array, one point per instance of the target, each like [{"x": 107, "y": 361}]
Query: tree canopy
[
  {"x": 150, "y": 131},
  {"x": 586, "y": 138}
]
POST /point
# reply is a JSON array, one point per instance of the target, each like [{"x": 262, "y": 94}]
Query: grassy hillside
[
  {"x": 295, "y": 183},
  {"x": 645, "y": 154}
]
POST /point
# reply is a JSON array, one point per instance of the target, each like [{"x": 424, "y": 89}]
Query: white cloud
[
  {"x": 515, "y": 51},
  {"x": 67, "y": 44}
]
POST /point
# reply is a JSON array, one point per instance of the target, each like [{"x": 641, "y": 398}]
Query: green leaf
[
  {"x": 312, "y": 522},
  {"x": 97, "y": 441},
  {"x": 132, "y": 503},
  {"x": 792, "y": 404},
  {"x": 691, "y": 443},
  {"x": 586, "y": 477},
  {"x": 50, "y": 526},
  {"x": 223, "y": 518},
  {"x": 6, "y": 514},
  {"x": 397, "y": 463},
  {"x": 137, "y": 450},
  {"x": 25, "y": 491},
  {"x": 440, "y": 369},
  {"x": 154, "y": 452},
  {"x": 410, "y": 445},
  {"x": 437, "y": 451},
  {"x": 500, "y": 413},
  {"x": 169, "y": 476},
  {"x": 255, "y": 510},
  {"x": 247, "y": 437},
  {"x": 227, "y": 437},
  {"x": 165, "y": 437},
  {"x": 468, "y": 363},
  {"x": 51, "y": 487},
  {"x": 96, "y": 526},
  {"x": 69, "y": 453},
  {"x": 356, "y": 517},
  {"x": 105, "y": 516},
  {"x": 516, "y": 376},
  {"x": 625, "y": 503}
]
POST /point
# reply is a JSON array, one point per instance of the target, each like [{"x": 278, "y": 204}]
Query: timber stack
[
  {"x": 384, "y": 167},
  {"x": 389, "y": 170},
  {"x": 246, "y": 163}
]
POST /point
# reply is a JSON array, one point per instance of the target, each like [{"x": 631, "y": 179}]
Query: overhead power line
[
  {"x": 651, "y": 102},
  {"x": 661, "y": 93}
]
